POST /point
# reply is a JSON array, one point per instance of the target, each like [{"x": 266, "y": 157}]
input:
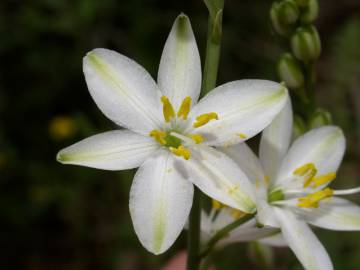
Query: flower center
[{"x": 170, "y": 137}]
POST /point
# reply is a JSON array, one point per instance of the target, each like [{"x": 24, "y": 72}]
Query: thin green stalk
[
  {"x": 194, "y": 232},
  {"x": 223, "y": 233},
  {"x": 212, "y": 56},
  {"x": 213, "y": 45}
]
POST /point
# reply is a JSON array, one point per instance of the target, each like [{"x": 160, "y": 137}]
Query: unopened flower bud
[
  {"x": 283, "y": 16},
  {"x": 288, "y": 12},
  {"x": 290, "y": 72},
  {"x": 305, "y": 43},
  {"x": 320, "y": 118},
  {"x": 310, "y": 12},
  {"x": 302, "y": 3}
]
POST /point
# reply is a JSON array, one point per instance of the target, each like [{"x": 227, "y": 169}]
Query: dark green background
[{"x": 67, "y": 217}]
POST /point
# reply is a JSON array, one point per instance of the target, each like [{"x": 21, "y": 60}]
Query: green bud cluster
[{"x": 292, "y": 22}]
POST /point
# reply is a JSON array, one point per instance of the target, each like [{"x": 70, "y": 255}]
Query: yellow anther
[
  {"x": 168, "y": 109},
  {"x": 184, "y": 108},
  {"x": 236, "y": 214},
  {"x": 302, "y": 170},
  {"x": 181, "y": 151},
  {"x": 308, "y": 171},
  {"x": 312, "y": 200},
  {"x": 242, "y": 135},
  {"x": 309, "y": 177},
  {"x": 204, "y": 119},
  {"x": 266, "y": 179},
  {"x": 323, "y": 179},
  {"x": 216, "y": 204},
  {"x": 159, "y": 136},
  {"x": 197, "y": 138}
]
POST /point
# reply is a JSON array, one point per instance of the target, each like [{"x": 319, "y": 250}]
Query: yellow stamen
[
  {"x": 312, "y": 200},
  {"x": 184, "y": 108},
  {"x": 197, "y": 138},
  {"x": 323, "y": 179},
  {"x": 204, "y": 119},
  {"x": 216, "y": 204},
  {"x": 159, "y": 136},
  {"x": 236, "y": 214},
  {"x": 242, "y": 135},
  {"x": 302, "y": 170},
  {"x": 266, "y": 179},
  {"x": 168, "y": 109},
  {"x": 308, "y": 171},
  {"x": 181, "y": 151}
]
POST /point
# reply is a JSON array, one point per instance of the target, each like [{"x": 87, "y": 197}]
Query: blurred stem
[
  {"x": 223, "y": 233},
  {"x": 212, "y": 56},
  {"x": 194, "y": 232}
]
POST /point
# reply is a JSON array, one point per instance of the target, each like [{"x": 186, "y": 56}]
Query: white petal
[
  {"x": 160, "y": 202},
  {"x": 220, "y": 178},
  {"x": 244, "y": 108},
  {"x": 333, "y": 214},
  {"x": 248, "y": 232},
  {"x": 265, "y": 213},
  {"x": 303, "y": 242},
  {"x": 180, "y": 68},
  {"x": 245, "y": 158},
  {"x": 112, "y": 150},
  {"x": 275, "y": 141},
  {"x": 324, "y": 146},
  {"x": 123, "y": 90},
  {"x": 276, "y": 240}
]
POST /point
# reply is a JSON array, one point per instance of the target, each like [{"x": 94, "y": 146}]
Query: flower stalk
[{"x": 212, "y": 56}]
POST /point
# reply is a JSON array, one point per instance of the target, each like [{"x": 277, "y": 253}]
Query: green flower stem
[
  {"x": 193, "y": 261},
  {"x": 213, "y": 45},
  {"x": 212, "y": 56},
  {"x": 223, "y": 233}
]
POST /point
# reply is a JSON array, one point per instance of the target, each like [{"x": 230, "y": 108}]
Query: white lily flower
[
  {"x": 292, "y": 185},
  {"x": 221, "y": 216},
  {"x": 168, "y": 135}
]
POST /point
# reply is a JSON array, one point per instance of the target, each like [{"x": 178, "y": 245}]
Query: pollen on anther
[{"x": 204, "y": 119}]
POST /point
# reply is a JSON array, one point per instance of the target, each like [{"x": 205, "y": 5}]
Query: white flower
[
  {"x": 292, "y": 185},
  {"x": 168, "y": 136}
]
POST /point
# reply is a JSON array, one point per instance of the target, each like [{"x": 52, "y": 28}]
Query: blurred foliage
[{"x": 67, "y": 217}]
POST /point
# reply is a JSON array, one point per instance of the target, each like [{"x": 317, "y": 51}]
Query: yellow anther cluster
[
  {"x": 184, "y": 108},
  {"x": 204, "y": 119},
  {"x": 197, "y": 138},
  {"x": 312, "y": 200},
  {"x": 242, "y": 135},
  {"x": 159, "y": 136},
  {"x": 181, "y": 151},
  {"x": 308, "y": 171},
  {"x": 168, "y": 109}
]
